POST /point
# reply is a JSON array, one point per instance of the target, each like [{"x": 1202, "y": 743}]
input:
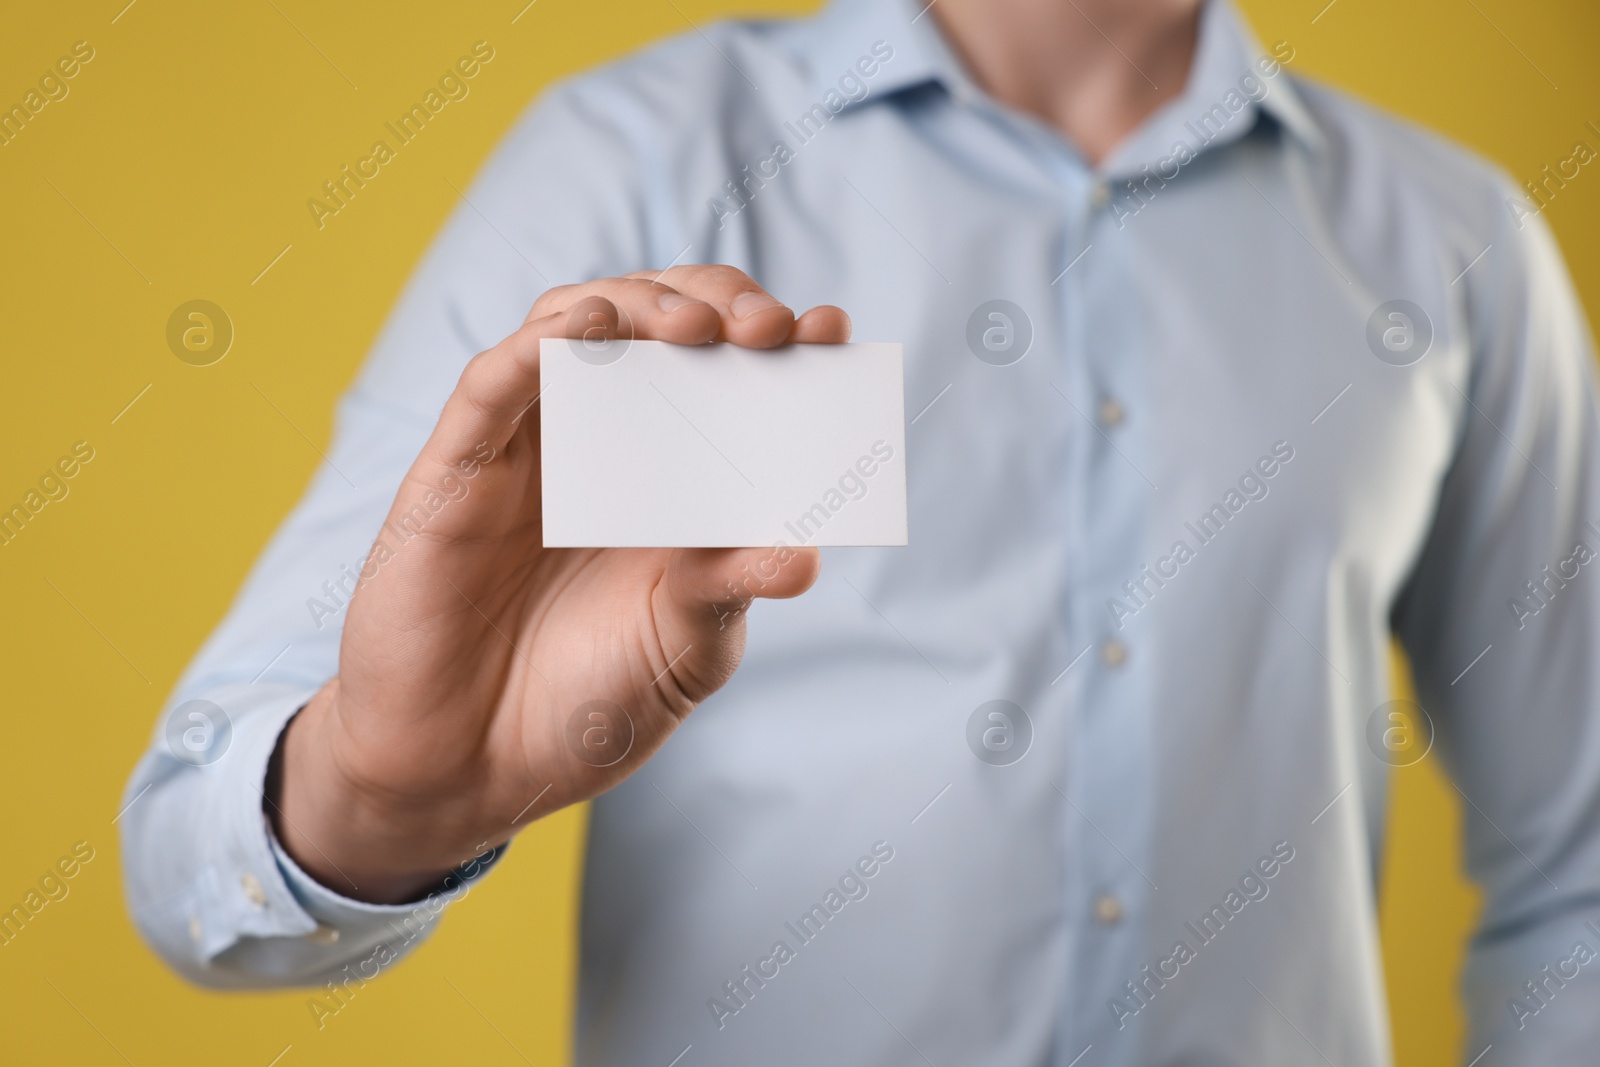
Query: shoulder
[
  {"x": 640, "y": 143},
  {"x": 1376, "y": 153},
  {"x": 696, "y": 83},
  {"x": 1418, "y": 199},
  {"x": 1412, "y": 197}
]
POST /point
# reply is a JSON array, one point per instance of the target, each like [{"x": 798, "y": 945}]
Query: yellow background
[{"x": 178, "y": 168}]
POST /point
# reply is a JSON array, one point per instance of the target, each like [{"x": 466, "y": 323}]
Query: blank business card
[{"x": 648, "y": 444}]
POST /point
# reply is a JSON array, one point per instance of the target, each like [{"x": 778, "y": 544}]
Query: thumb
[{"x": 701, "y": 601}]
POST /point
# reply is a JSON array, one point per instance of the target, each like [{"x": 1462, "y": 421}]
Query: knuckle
[
  {"x": 474, "y": 369},
  {"x": 699, "y": 278},
  {"x": 475, "y": 380},
  {"x": 551, "y": 298},
  {"x": 593, "y": 312},
  {"x": 644, "y": 282},
  {"x": 722, "y": 274}
]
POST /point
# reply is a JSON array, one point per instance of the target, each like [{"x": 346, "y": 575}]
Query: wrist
[{"x": 376, "y": 846}]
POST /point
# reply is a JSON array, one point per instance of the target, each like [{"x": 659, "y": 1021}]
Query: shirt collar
[
  {"x": 1227, "y": 56},
  {"x": 1231, "y": 71},
  {"x": 847, "y": 30}
]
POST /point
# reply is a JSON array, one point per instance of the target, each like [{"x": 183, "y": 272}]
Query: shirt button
[
  {"x": 1111, "y": 413},
  {"x": 323, "y": 935},
  {"x": 196, "y": 933},
  {"x": 1100, "y": 195},
  {"x": 1107, "y": 910},
  {"x": 253, "y": 891},
  {"x": 1114, "y": 653}
]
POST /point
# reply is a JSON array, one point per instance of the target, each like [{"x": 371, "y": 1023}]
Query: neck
[{"x": 1093, "y": 69}]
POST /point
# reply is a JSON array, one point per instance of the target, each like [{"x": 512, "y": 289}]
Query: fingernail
[
  {"x": 670, "y": 302},
  {"x": 746, "y": 304}
]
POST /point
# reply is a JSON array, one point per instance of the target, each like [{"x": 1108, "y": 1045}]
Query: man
[{"x": 1215, "y": 376}]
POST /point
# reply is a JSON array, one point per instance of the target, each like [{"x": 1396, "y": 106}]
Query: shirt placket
[{"x": 1107, "y": 797}]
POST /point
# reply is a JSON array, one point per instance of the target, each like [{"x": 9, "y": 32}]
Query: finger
[
  {"x": 823, "y": 324},
  {"x": 751, "y": 316},
  {"x": 705, "y": 585},
  {"x": 701, "y": 601},
  {"x": 650, "y": 310},
  {"x": 739, "y": 575},
  {"x": 499, "y": 385}
]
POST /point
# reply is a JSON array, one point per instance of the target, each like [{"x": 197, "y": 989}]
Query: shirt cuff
[
  {"x": 252, "y": 889},
  {"x": 338, "y": 916}
]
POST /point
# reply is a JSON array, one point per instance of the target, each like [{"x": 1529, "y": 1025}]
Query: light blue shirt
[{"x": 1167, "y": 501}]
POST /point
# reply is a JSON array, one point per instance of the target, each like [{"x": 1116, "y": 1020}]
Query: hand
[{"x": 455, "y": 717}]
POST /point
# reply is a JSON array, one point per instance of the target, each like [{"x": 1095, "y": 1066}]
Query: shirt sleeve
[
  {"x": 1502, "y": 622},
  {"x": 207, "y": 886}
]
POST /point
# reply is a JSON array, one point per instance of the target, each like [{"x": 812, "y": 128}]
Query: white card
[{"x": 648, "y": 444}]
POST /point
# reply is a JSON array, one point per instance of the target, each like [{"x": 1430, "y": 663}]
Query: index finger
[{"x": 751, "y": 316}]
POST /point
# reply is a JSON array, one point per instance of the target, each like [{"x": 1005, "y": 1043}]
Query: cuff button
[
  {"x": 1108, "y": 910},
  {"x": 323, "y": 935}
]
